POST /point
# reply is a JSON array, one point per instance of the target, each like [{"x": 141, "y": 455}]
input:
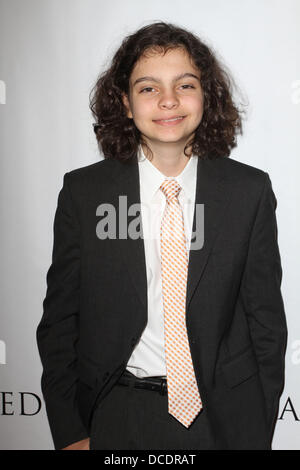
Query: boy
[{"x": 159, "y": 342}]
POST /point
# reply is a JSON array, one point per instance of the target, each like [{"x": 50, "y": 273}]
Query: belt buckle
[{"x": 163, "y": 387}]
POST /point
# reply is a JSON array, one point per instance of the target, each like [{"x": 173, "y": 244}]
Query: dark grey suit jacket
[{"x": 95, "y": 308}]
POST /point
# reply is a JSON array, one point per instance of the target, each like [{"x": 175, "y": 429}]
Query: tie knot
[{"x": 170, "y": 188}]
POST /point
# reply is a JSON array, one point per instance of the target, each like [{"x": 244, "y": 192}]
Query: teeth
[{"x": 169, "y": 120}]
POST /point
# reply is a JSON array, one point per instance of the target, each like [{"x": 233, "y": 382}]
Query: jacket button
[{"x": 133, "y": 341}]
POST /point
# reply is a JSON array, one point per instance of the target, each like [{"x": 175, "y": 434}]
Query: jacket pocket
[{"x": 240, "y": 368}]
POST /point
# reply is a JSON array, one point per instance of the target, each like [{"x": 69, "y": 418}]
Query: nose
[{"x": 168, "y": 100}]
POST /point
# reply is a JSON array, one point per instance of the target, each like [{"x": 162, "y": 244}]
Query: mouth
[{"x": 172, "y": 121}]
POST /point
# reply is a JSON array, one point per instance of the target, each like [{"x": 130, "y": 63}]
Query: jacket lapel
[
  {"x": 132, "y": 251},
  {"x": 212, "y": 191}
]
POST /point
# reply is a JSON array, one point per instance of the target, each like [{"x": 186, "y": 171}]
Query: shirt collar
[{"x": 151, "y": 177}]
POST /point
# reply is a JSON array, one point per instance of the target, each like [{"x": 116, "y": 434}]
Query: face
[{"x": 165, "y": 97}]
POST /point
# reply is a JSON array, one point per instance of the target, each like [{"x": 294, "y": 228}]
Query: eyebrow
[{"x": 175, "y": 79}]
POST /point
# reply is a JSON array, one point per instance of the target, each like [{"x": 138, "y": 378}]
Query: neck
[{"x": 169, "y": 160}]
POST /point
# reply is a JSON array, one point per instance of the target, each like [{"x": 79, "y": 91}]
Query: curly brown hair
[{"x": 117, "y": 135}]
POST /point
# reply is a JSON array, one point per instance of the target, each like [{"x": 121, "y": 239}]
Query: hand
[{"x": 80, "y": 445}]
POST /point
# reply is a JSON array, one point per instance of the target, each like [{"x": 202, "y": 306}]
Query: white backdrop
[{"x": 51, "y": 52}]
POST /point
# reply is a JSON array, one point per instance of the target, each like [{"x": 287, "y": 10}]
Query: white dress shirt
[{"x": 148, "y": 357}]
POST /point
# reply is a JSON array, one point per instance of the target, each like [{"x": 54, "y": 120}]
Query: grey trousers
[{"x": 137, "y": 419}]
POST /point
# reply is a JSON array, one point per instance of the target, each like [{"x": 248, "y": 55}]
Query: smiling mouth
[{"x": 169, "y": 122}]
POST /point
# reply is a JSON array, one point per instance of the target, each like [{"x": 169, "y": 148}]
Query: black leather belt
[{"x": 157, "y": 384}]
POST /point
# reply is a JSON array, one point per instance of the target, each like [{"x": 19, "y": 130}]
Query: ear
[{"x": 127, "y": 105}]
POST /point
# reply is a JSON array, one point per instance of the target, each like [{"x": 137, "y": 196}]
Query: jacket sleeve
[
  {"x": 261, "y": 294},
  {"x": 57, "y": 332}
]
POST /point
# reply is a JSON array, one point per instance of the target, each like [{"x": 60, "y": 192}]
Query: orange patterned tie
[{"x": 183, "y": 394}]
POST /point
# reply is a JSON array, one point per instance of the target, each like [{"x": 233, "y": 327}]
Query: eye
[
  {"x": 149, "y": 89},
  {"x": 190, "y": 86},
  {"x": 146, "y": 89}
]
